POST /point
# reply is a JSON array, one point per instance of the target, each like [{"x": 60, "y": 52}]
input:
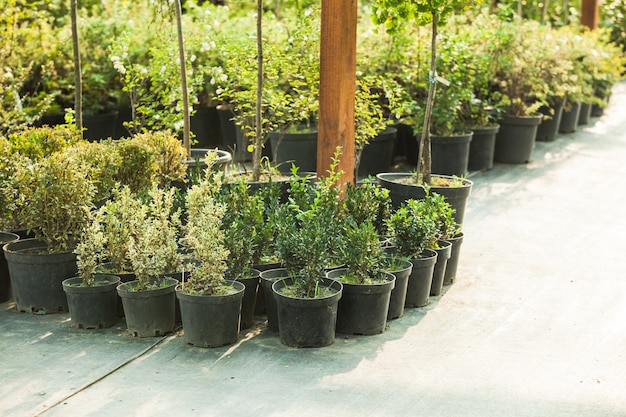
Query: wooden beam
[
  {"x": 589, "y": 14},
  {"x": 337, "y": 86}
]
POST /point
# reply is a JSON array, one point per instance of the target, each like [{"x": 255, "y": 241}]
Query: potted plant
[
  {"x": 373, "y": 137},
  {"x": 91, "y": 297},
  {"x": 475, "y": 68},
  {"x": 243, "y": 222},
  {"x": 153, "y": 254},
  {"x": 406, "y": 185},
  {"x": 283, "y": 98},
  {"x": 522, "y": 89},
  {"x": 56, "y": 196},
  {"x": 410, "y": 235},
  {"x": 210, "y": 305},
  {"x": 364, "y": 303},
  {"x": 435, "y": 207},
  {"x": 307, "y": 235}
]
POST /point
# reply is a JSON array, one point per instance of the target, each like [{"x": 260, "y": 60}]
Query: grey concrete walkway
[{"x": 534, "y": 326}]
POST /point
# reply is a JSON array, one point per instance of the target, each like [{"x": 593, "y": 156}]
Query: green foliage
[
  {"x": 435, "y": 207},
  {"x": 23, "y": 39},
  {"x": 205, "y": 238},
  {"x": 393, "y": 13},
  {"x": 103, "y": 164},
  {"x": 39, "y": 142},
  {"x": 410, "y": 231},
  {"x": 290, "y": 86},
  {"x": 137, "y": 169},
  {"x": 154, "y": 248},
  {"x": 613, "y": 19},
  {"x": 91, "y": 249},
  {"x": 308, "y": 232},
  {"x": 242, "y": 223},
  {"x": 368, "y": 202},
  {"x": 168, "y": 156},
  {"x": 12, "y": 192},
  {"x": 58, "y": 199},
  {"x": 360, "y": 251},
  {"x": 121, "y": 219}
]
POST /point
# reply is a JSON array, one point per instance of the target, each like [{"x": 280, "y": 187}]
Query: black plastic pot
[
  {"x": 298, "y": 148},
  {"x": 377, "y": 155},
  {"x": 569, "y": 119},
  {"x": 482, "y": 148},
  {"x": 450, "y": 154},
  {"x": 443, "y": 254},
  {"x": 37, "y": 276},
  {"x": 152, "y": 312},
  {"x": 516, "y": 139},
  {"x": 399, "y": 191},
  {"x": 363, "y": 308},
  {"x": 93, "y": 307},
  {"x": 100, "y": 126},
  {"x": 5, "y": 280},
  {"x": 211, "y": 320},
  {"x": 232, "y": 137},
  {"x": 585, "y": 114},
  {"x": 259, "y": 307},
  {"x": 549, "y": 127},
  {"x": 268, "y": 277},
  {"x": 453, "y": 262},
  {"x": 398, "y": 294},
  {"x": 307, "y": 322},
  {"x": 248, "y": 303},
  {"x": 420, "y": 279}
]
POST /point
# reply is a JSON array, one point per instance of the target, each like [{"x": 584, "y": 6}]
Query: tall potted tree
[{"x": 394, "y": 14}]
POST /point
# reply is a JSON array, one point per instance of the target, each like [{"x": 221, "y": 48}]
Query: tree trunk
[
  {"x": 183, "y": 80},
  {"x": 78, "y": 82},
  {"x": 424, "y": 161},
  {"x": 258, "y": 120}
]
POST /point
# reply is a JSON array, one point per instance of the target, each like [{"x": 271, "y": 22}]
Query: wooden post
[
  {"x": 337, "y": 86},
  {"x": 589, "y": 14}
]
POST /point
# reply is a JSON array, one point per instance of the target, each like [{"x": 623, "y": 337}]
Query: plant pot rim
[
  {"x": 71, "y": 282},
  {"x": 8, "y": 237},
  {"x": 393, "y": 176},
  {"x": 237, "y": 285},
  {"x": 334, "y": 294},
  {"x": 125, "y": 286},
  {"x": 388, "y": 276}
]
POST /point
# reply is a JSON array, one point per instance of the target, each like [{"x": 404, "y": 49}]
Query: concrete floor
[{"x": 535, "y": 324}]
